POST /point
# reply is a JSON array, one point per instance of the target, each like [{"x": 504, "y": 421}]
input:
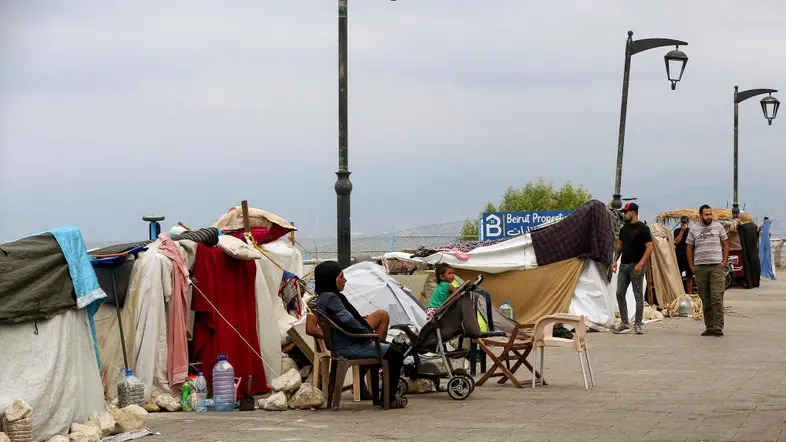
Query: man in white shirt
[{"x": 708, "y": 252}]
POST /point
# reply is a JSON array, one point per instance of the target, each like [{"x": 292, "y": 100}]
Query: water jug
[
  {"x": 130, "y": 390},
  {"x": 223, "y": 385}
]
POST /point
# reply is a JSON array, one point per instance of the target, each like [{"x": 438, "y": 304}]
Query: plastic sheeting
[
  {"x": 369, "y": 289},
  {"x": 55, "y": 371},
  {"x": 592, "y": 296},
  {"x": 514, "y": 254}
]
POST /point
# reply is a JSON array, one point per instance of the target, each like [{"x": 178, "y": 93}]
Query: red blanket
[{"x": 229, "y": 285}]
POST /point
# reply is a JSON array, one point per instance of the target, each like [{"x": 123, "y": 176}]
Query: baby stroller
[{"x": 430, "y": 349}]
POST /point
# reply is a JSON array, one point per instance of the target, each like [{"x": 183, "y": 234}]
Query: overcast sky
[{"x": 111, "y": 110}]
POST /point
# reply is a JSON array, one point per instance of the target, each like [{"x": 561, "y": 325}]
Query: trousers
[
  {"x": 626, "y": 277},
  {"x": 711, "y": 285}
]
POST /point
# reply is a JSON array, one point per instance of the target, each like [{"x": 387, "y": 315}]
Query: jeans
[
  {"x": 625, "y": 277},
  {"x": 710, "y": 280}
]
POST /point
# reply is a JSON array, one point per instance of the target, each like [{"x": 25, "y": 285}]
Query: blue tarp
[{"x": 765, "y": 251}]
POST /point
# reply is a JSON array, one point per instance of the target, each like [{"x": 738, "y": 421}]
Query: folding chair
[{"x": 513, "y": 349}]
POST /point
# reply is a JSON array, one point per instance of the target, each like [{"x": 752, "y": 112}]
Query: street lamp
[
  {"x": 343, "y": 185},
  {"x": 769, "y": 106},
  {"x": 675, "y": 67}
]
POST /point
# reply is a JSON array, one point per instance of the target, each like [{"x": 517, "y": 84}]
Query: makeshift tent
[
  {"x": 765, "y": 252},
  {"x": 666, "y": 276},
  {"x": 673, "y": 216},
  {"x": 49, "y": 358},
  {"x": 563, "y": 268},
  {"x": 369, "y": 288}
]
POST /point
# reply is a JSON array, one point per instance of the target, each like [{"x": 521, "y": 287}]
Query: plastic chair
[
  {"x": 542, "y": 337},
  {"x": 340, "y": 365}
]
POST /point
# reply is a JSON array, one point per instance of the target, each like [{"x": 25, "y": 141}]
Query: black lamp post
[
  {"x": 343, "y": 184},
  {"x": 769, "y": 106},
  {"x": 675, "y": 67}
]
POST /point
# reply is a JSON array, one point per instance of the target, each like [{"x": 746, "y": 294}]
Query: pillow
[{"x": 237, "y": 248}]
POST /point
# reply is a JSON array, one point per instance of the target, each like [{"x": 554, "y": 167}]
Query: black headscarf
[{"x": 325, "y": 275}]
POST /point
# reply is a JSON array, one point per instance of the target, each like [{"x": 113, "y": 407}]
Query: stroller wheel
[
  {"x": 402, "y": 387},
  {"x": 460, "y": 387}
]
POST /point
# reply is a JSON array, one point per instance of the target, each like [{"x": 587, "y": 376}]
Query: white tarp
[
  {"x": 514, "y": 254},
  {"x": 369, "y": 288},
  {"x": 54, "y": 371},
  {"x": 591, "y": 297},
  {"x": 280, "y": 255}
]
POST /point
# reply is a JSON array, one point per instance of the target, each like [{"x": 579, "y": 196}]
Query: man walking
[
  {"x": 635, "y": 245},
  {"x": 708, "y": 252},
  {"x": 681, "y": 248}
]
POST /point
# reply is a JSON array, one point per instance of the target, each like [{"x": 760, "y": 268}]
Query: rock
[
  {"x": 81, "y": 432},
  {"x": 305, "y": 372},
  {"x": 419, "y": 386},
  {"x": 57, "y": 438},
  {"x": 151, "y": 407},
  {"x": 168, "y": 403},
  {"x": 307, "y": 397},
  {"x": 289, "y": 381},
  {"x": 130, "y": 418},
  {"x": 287, "y": 364},
  {"x": 275, "y": 402},
  {"x": 4, "y": 438},
  {"x": 104, "y": 422},
  {"x": 17, "y": 410}
]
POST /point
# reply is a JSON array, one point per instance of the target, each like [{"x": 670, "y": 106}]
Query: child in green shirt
[{"x": 445, "y": 277}]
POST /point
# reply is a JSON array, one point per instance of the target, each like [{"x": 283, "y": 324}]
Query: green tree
[{"x": 534, "y": 196}]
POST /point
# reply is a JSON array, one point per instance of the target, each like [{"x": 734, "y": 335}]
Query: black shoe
[
  {"x": 709, "y": 332},
  {"x": 718, "y": 332}
]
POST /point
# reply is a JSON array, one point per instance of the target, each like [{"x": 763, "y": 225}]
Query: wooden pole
[
  {"x": 650, "y": 284},
  {"x": 246, "y": 221},
  {"x": 292, "y": 236}
]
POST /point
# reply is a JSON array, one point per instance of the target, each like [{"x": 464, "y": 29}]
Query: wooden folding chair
[
  {"x": 514, "y": 349},
  {"x": 340, "y": 365}
]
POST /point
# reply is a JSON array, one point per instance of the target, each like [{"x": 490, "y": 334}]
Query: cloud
[{"x": 110, "y": 111}]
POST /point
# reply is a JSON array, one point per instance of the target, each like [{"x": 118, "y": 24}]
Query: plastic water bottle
[
  {"x": 130, "y": 390},
  {"x": 223, "y": 385},
  {"x": 506, "y": 310},
  {"x": 200, "y": 390}
]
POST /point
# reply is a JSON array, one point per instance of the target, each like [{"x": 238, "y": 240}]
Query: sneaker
[
  {"x": 622, "y": 328},
  {"x": 708, "y": 332},
  {"x": 718, "y": 332},
  {"x": 637, "y": 329}
]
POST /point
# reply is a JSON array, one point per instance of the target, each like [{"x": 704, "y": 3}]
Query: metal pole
[
  {"x": 735, "y": 210},
  {"x": 616, "y": 202},
  {"x": 343, "y": 184}
]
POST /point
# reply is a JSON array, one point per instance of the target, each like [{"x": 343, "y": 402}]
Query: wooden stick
[
  {"x": 650, "y": 283},
  {"x": 179, "y": 223},
  {"x": 292, "y": 236},
  {"x": 246, "y": 220}
]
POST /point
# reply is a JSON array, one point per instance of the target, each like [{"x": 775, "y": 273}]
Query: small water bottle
[
  {"x": 506, "y": 310},
  {"x": 223, "y": 385},
  {"x": 200, "y": 390}
]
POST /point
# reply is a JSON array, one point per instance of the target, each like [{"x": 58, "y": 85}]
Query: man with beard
[
  {"x": 708, "y": 252},
  {"x": 681, "y": 249},
  {"x": 635, "y": 245}
]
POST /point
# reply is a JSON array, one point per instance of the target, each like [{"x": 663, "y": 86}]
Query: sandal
[{"x": 399, "y": 402}]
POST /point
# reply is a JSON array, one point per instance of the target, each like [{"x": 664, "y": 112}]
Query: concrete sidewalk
[{"x": 669, "y": 384}]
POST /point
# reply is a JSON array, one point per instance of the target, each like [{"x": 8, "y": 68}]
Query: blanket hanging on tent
[
  {"x": 765, "y": 251},
  {"x": 229, "y": 285},
  {"x": 586, "y": 233},
  {"x": 291, "y": 295}
]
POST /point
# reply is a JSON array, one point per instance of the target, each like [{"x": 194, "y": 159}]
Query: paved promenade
[{"x": 669, "y": 384}]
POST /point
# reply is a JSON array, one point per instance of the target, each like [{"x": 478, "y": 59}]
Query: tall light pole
[
  {"x": 769, "y": 106},
  {"x": 675, "y": 66},
  {"x": 343, "y": 185}
]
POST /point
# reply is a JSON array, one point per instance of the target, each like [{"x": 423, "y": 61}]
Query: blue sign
[{"x": 499, "y": 225}]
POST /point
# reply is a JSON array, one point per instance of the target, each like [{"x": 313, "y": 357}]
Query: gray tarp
[{"x": 34, "y": 280}]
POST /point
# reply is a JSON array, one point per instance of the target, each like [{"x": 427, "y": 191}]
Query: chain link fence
[
  {"x": 779, "y": 252},
  {"x": 431, "y": 236}
]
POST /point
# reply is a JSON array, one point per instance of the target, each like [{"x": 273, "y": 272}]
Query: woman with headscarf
[{"x": 329, "y": 282}]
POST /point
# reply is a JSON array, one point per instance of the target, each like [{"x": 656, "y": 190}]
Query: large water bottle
[
  {"x": 200, "y": 391},
  {"x": 130, "y": 390},
  {"x": 506, "y": 310},
  {"x": 223, "y": 385}
]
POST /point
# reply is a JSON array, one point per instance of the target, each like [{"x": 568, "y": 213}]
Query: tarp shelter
[
  {"x": 666, "y": 276},
  {"x": 563, "y": 268},
  {"x": 147, "y": 306},
  {"x": 48, "y": 356}
]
